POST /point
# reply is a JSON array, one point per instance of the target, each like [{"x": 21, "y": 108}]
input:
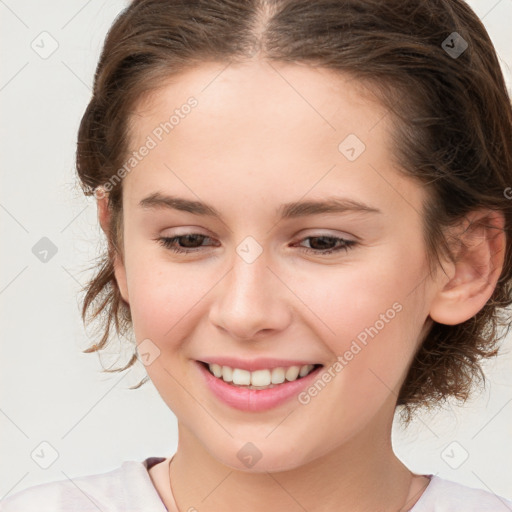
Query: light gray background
[{"x": 50, "y": 391}]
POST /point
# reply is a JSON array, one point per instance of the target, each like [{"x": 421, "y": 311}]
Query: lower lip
[{"x": 256, "y": 400}]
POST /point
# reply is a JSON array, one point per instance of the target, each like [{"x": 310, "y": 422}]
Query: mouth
[
  {"x": 259, "y": 379},
  {"x": 236, "y": 388}
]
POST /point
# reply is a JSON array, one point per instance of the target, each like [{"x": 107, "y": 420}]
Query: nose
[{"x": 251, "y": 299}]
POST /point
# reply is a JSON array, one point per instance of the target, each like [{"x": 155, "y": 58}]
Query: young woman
[{"x": 309, "y": 230}]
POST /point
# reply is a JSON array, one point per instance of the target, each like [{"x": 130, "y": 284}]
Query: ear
[
  {"x": 473, "y": 276},
  {"x": 104, "y": 214}
]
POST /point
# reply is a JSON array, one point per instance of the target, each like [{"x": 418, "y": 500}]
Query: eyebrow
[{"x": 291, "y": 210}]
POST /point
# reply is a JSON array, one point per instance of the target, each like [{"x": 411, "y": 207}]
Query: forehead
[
  {"x": 267, "y": 130},
  {"x": 303, "y": 101}
]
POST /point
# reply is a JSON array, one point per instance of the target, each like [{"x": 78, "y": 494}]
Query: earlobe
[
  {"x": 475, "y": 271},
  {"x": 120, "y": 273},
  {"x": 104, "y": 214}
]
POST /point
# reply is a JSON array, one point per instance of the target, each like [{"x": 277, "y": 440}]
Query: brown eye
[
  {"x": 324, "y": 244},
  {"x": 189, "y": 242},
  {"x": 192, "y": 242}
]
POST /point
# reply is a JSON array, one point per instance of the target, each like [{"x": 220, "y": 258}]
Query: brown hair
[{"x": 452, "y": 129}]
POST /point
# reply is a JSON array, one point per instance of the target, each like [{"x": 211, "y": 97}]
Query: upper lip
[{"x": 260, "y": 363}]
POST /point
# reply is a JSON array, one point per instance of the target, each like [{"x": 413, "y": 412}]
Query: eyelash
[{"x": 167, "y": 242}]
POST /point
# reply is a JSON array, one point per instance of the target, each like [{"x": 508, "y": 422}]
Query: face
[{"x": 347, "y": 289}]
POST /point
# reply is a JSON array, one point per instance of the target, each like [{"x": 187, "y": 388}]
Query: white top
[{"x": 129, "y": 488}]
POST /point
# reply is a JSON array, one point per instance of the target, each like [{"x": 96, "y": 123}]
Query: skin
[{"x": 262, "y": 135}]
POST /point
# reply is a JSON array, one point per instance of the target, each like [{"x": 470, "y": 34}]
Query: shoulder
[
  {"x": 443, "y": 495},
  {"x": 127, "y": 488}
]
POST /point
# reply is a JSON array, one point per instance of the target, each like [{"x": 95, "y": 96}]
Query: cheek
[
  {"x": 372, "y": 314},
  {"x": 165, "y": 297}
]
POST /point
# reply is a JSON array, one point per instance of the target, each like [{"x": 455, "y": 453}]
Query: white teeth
[
  {"x": 216, "y": 370},
  {"x": 241, "y": 377},
  {"x": 259, "y": 378},
  {"x": 292, "y": 373},
  {"x": 304, "y": 370},
  {"x": 227, "y": 374},
  {"x": 278, "y": 375}
]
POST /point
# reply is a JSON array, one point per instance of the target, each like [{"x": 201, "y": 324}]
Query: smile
[{"x": 260, "y": 379}]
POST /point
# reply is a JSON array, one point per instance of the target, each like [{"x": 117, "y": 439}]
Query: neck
[{"x": 360, "y": 475}]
